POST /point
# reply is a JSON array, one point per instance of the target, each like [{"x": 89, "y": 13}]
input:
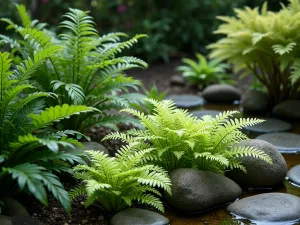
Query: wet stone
[
  {"x": 5, "y": 220},
  {"x": 177, "y": 80},
  {"x": 13, "y": 208},
  {"x": 254, "y": 101},
  {"x": 270, "y": 207},
  {"x": 221, "y": 93},
  {"x": 285, "y": 142},
  {"x": 269, "y": 126},
  {"x": 288, "y": 110},
  {"x": 95, "y": 146},
  {"x": 196, "y": 191},
  {"x": 186, "y": 101},
  {"x": 260, "y": 174},
  {"x": 200, "y": 113},
  {"x": 294, "y": 175},
  {"x": 135, "y": 216}
]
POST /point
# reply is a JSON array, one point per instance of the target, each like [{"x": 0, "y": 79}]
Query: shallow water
[{"x": 216, "y": 216}]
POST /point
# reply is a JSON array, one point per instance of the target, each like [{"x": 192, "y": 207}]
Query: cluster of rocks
[
  {"x": 197, "y": 191},
  {"x": 254, "y": 101}
]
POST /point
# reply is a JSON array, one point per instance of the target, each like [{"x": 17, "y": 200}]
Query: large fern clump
[
  {"x": 266, "y": 44},
  {"x": 115, "y": 183},
  {"x": 181, "y": 140},
  {"x": 30, "y": 147},
  {"x": 86, "y": 69}
]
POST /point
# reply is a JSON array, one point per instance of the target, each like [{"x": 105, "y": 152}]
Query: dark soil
[{"x": 54, "y": 214}]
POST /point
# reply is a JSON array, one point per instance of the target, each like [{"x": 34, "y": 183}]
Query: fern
[
  {"x": 115, "y": 183},
  {"x": 30, "y": 148},
  {"x": 264, "y": 44},
  {"x": 181, "y": 140},
  {"x": 204, "y": 72},
  {"x": 82, "y": 67}
]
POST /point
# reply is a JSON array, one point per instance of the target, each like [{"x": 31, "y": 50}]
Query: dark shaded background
[{"x": 174, "y": 26}]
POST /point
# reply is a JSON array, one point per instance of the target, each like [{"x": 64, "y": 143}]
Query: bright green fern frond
[
  {"x": 281, "y": 49},
  {"x": 249, "y": 151},
  {"x": 111, "y": 37},
  {"x": 25, "y": 18}
]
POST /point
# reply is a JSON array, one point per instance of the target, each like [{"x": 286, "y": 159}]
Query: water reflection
[{"x": 253, "y": 222}]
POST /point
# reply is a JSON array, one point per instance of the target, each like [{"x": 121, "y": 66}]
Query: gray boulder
[
  {"x": 294, "y": 174},
  {"x": 288, "y": 110},
  {"x": 270, "y": 207},
  {"x": 89, "y": 145},
  {"x": 254, "y": 101},
  {"x": 260, "y": 173},
  {"x": 197, "y": 190},
  {"x": 186, "y": 101},
  {"x": 222, "y": 93},
  {"x": 5, "y": 220},
  {"x": 25, "y": 220},
  {"x": 13, "y": 208},
  {"x": 135, "y": 216},
  {"x": 95, "y": 146}
]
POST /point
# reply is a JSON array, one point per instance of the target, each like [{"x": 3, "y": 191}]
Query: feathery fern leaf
[
  {"x": 180, "y": 140},
  {"x": 115, "y": 183}
]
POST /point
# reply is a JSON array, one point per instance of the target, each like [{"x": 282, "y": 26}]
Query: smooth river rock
[
  {"x": 136, "y": 216},
  {"x": 285, "y": 142},
  {"x": 260, "y": 173},
  {"x": 287, "y": 110},
  {"x": 269, "y": 126},
  {"x": 13, "y": 208},
  {"x": 221, "y": 93},
  {"x": 177, "y": 80},
  {"x": 271, "y": 207},
  {"x": 198, "y": 190},
  {"x": 200, "y": 113},
  {"x": 186, "y": 101},
  {"x": 294, "y": 175},
  {"x": 254, "y": 101}
]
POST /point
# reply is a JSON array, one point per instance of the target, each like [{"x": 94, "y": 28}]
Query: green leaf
[{"x": 57, "y": 113}]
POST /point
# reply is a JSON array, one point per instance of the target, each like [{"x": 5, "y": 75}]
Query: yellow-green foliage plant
[
  {"x": 181, "y": 140},
  {"x": 265, "y": 44},
  {"x": 115, "y": 183}
]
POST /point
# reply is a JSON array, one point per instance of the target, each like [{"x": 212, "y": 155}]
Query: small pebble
[
  {"x": 101, "y": 218},
  {"x": 84, "y": 221}
]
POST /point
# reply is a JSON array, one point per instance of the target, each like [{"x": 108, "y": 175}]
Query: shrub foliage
[{"x": 265, "y": 44}]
